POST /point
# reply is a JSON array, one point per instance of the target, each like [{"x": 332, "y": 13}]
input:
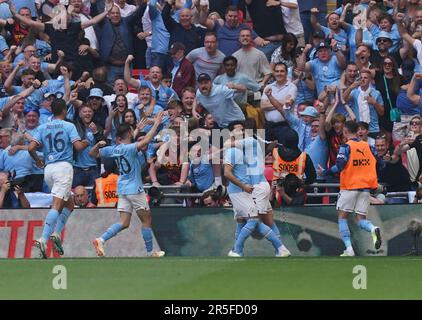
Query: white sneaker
[
  {"x": 283, "y": 252},
  {"x": 99, "y": 247},
  {"x": 156, "y": 254},
  {"x": 42, "y": 245},
  {"x": 234, "y": 254},
  {"x": 348, "y": 253}
]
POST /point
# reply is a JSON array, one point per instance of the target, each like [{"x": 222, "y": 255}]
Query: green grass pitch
[{"x": 213, "y": 278}]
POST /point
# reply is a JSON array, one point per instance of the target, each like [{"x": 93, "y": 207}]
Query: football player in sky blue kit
[
  {"x": 57, "y": 139},
  {"x": 240, "y": 191},
  {"x": 254, "y": 159},
  {"x": 129, "y": 186}
]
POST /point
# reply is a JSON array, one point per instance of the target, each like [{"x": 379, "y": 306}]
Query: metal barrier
[{"x": 311, "y": 194}]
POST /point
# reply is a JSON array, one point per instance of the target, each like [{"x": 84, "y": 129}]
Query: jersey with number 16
[{"x": 57, "y": 138}]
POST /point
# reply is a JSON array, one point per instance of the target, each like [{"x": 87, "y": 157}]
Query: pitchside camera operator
[{"x": 11, "y": 194}]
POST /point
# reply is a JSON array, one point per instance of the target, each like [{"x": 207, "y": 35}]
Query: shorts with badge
[
  {"x": 59, "y": 178},
  {"x": 353, "y": 201},
  {"x": 261, "y": 195},
  {"x": 130, "y": 202},
  {"x": 243, "y": 205}
]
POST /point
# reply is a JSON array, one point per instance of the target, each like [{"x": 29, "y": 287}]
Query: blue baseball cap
[{"x": 309, "y": 111}]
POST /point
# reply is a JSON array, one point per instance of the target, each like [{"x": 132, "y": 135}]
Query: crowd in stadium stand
[{"x": 290, "y": 67}]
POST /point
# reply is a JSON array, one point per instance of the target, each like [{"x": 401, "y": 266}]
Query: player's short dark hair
[
  {"x": 351, "y": 126},
  {"x": 58, "y": 106},
  {"x": 230, "y": 58},
  {"x": 123, "y": 130}
]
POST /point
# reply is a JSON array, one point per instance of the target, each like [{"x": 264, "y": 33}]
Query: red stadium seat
[{"x": 135, "y": 74}]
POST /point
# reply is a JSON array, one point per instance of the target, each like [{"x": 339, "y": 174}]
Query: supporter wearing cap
[
  {"x": 182, "y": 71},
  {"x": 327, "y": 68},
  {"x": 97, "y": 103},
  {"x": 218, "y": 100},
  {"x": 318, "y": 36}
]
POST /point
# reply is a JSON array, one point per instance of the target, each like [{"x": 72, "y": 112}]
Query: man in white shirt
[
  {"x": 125, "y": 9},
  {"x": 285, "y": 92},
  {"x": 89, "y": 32}
]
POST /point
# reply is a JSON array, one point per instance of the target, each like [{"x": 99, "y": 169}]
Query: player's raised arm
[{"x": 151, "y": 133}]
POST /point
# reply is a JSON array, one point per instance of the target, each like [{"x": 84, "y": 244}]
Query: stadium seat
[{"x": 135, "y": 74}]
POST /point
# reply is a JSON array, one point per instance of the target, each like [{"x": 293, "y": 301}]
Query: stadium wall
[{"x": 208, "y": 232}]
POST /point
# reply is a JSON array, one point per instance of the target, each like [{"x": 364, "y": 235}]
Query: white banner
[{"x": 20, "y": 227}]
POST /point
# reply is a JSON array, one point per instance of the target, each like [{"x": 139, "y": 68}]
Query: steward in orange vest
[
  {"x": 289, "y": 159},
  {"x": 105, "y": 189}
]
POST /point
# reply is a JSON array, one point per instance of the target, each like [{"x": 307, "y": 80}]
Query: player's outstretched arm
[
  {"x": 95, "y": 150},
  {"x": 151, "y": 133}
]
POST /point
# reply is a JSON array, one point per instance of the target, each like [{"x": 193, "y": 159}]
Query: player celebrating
[
  {"x": 57, "y": 138},
  {"x": 254, "y": 159},
  {"x": 246, "y": 214},
  {"x": 357, "y": 162},
  {"x": 129, "y": 185}
]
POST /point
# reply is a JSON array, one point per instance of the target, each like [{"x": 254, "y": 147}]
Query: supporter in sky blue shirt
[
  {"x": 160, "y": 40},
  {"x": 327, "y": 68},
  {"x": 3, "y": 47},
  {"x": 218, "y": 100},
  {"x": 21, "y": 162}
]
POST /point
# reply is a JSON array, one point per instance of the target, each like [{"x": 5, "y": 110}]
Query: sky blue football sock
[
  {"x": 61, "y": 220},
  {"x": 239, "y": 226},
  {"x": 50, "y": 223},
  {"x": 244, "y": 234},
  {"x": 112, "y": 231},
  {"x": 344, "y": 232},
  {"x": 147, "y": 235},
  {"x": 269, "y": 234},
  {"x": 366, "y": 225},
  {"x": 276, "y": 230}
]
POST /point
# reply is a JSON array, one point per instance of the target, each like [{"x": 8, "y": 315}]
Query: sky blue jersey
[
  {"x": 130, "y": 162},
  {"x": 57, "y": 138}
]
